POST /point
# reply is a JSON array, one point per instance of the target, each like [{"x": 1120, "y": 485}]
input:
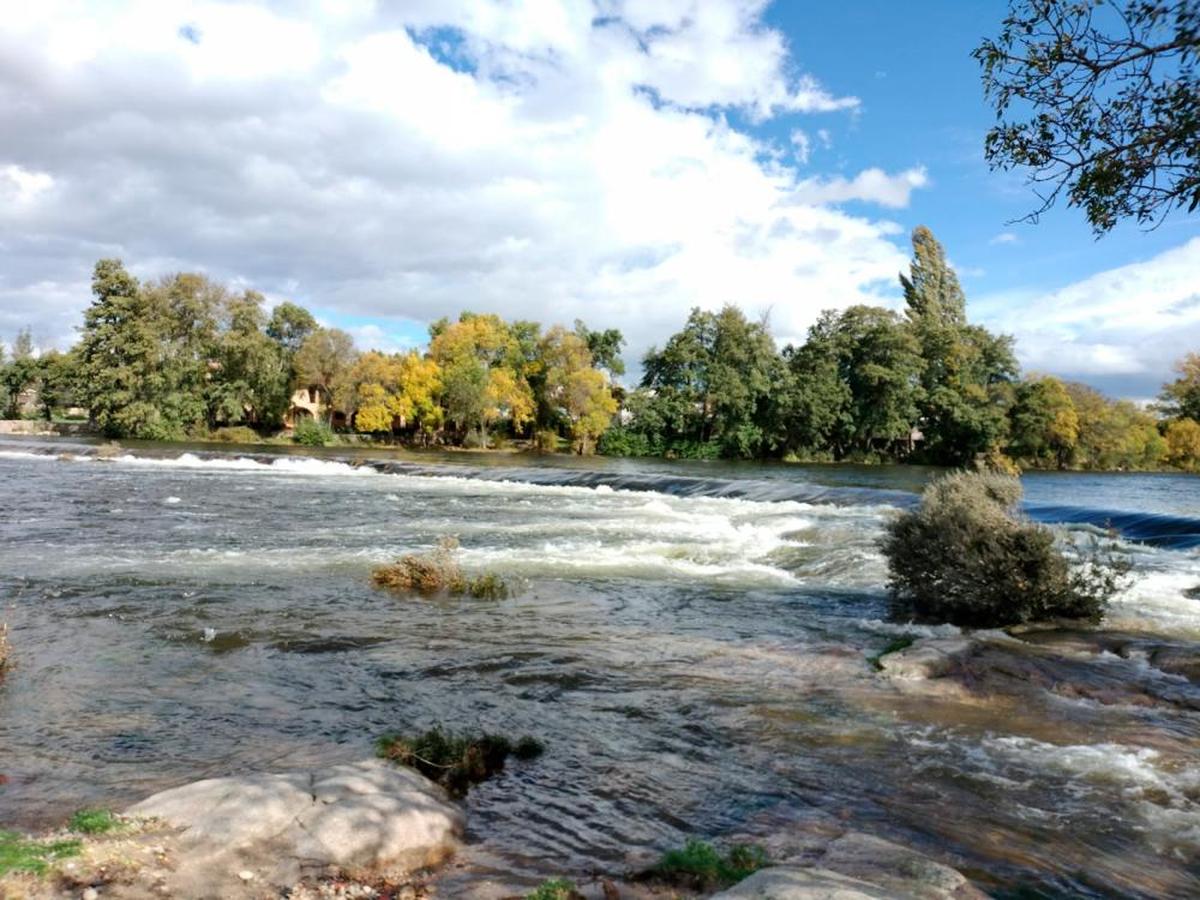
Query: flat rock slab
[
  {"x": 372, "y": 817},
  {"x": 900, "y": 870},
  {"x": 795, "y": 883}
]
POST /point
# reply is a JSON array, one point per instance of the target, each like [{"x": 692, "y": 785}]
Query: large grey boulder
[
  {"x": 367, "y": 817},
  {"x": 901, "y": 870},
  {"x": 853, "y": 866},
  {"x": 796, "y": 883}
]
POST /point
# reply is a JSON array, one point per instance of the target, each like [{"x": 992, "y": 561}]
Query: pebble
[
  {"x": 91, "y": 894},
  {"x": 246, "y": 875}
]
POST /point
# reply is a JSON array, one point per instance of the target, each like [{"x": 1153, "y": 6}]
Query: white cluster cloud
[
  {"x": 550, "y": 159},
  {"x": 1121, "y": 328}
]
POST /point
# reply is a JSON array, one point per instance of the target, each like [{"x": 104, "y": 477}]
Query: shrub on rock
[{"x": 966, "y": 556}]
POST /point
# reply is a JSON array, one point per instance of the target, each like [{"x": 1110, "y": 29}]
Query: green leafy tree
[
  {"x": 813, "y": 403},
  {"x": 1043, "y": 423},
  {"x": 20, "y": 376},
  {"x": 1180, "y": 399},
  {"x": 251, "y": 378},
  {"x": 120, "y": 375},
  {"x": 325, "y": 357},
  {"x": 605, "y": 347},
  {"x": 1100, "y": 100},
  {"x": 712, "y": 382},
  {"x": 290, "y": 326},
  {"x": 967, "y": 372}
]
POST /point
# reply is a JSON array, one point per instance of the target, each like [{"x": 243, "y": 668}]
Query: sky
[{"x": 386, "y": 164}]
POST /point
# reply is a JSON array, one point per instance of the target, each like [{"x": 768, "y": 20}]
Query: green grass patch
[
  {"x": 895, "y": 645},
  {"x": 554, "y": 889},
  {"x": 701, "y": 866},
  {"x": 456, "y": 761},
  {"x": 95, "y": 821},
  {"x": 22, "y": 854}
]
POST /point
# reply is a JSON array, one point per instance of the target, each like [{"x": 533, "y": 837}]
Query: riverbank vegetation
[
  {"x": 700, "y": 866},
  {"x": 965, "y": 556},
  {"x": 456, "y": 761},
  {"x": 184, "y": 357}
]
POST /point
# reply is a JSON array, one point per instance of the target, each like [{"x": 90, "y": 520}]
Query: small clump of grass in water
[
  {"x": 95, "y": 821},
  {"x": 456, "y": 761},
  {"x": 895, "y": 645},
  {"x": 437, "y": 572},
  {"x": 22, "y": 854},
  {"x": 701, "y": 866},
  {"x": 554, "y": 889},
  {"x": 4, "y": 649}
]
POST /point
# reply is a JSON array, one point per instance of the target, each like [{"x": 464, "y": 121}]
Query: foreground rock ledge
[
  {"x": 856, "y": 866},
  {"x": 368, "y": 817}
]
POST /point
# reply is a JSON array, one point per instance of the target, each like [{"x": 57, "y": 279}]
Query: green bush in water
[
  {"x": 700, "y": 866},
  {"x": 456, "y": 761},
  {"x": 95, "y": 821},
  {"x": 554, "y": 889},
  {"x": 21, "y": 854},
  {"x": 312, "y": 433},
  {"x": 965, "y": 556},
  {"x": 437, "y": 572},
  {"x": 236, "y": 434}
]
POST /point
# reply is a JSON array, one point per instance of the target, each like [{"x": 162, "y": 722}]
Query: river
[{"x": 691, "y": 641}]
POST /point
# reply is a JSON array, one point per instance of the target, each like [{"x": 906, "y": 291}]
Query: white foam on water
[
  {"x": 1156, "y": 600},
  {"x": 1164, "y": 792},
  {"x": 171, "y": 501}
]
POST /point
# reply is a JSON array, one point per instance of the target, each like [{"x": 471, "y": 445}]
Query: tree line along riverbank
[{"x": 185, "y": 358}]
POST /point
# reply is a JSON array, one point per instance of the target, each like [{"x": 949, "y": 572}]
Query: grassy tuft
[
  {"x": 700, "y": 866},
  {"x": 5, "y": 649},
  {"x": 437, "y": 572},
  {"x": 21, "y": 854},
  {"x": 895, "y": 645},
  {"x": 554, "y": 889},
  {"x": 456, "y": 761},
  {"x": 95, "y": 821}
]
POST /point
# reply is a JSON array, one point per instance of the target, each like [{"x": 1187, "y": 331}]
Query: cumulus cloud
[
  {"x": 1121, "y": 328},
  {"x": 401, "y": 162},
  {"x": 870, "y": 185}
]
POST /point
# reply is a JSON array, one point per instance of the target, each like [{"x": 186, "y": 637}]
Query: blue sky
[{"x": 619, "y": 161}]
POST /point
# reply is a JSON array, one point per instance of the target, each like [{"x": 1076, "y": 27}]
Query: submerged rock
[
  {"x": 368, "y": 817},
  {"x": 927, "y": 658}
]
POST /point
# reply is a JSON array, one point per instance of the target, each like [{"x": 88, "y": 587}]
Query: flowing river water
[{"x": 691, "y": 642}]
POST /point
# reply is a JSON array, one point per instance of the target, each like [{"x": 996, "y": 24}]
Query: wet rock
[
  {"x": 898, "y": 869},
  {"x": 795, "y": 883},
  {"x": 1178, "y": 661},
  {"x": 927, "y": 658},
  {"x": 365, "y": 817}
]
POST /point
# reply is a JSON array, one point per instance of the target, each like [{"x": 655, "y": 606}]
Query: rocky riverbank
[{"x": 375, "y": 830}]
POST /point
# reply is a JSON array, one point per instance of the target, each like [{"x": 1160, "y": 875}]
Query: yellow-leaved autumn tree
[
  {"x": 481, "y": 376},
  {"x": 578, "y": 391}
]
